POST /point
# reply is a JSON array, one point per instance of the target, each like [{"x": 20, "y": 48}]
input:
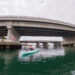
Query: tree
[{"x": 2, "y": 38}]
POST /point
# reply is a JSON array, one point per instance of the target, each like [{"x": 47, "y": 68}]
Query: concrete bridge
[
  {"x": 44, "y": 42},
  {"x": 14, "y": 27}
]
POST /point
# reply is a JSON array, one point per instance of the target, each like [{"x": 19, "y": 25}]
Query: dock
[{"x": 10, "y": 45}]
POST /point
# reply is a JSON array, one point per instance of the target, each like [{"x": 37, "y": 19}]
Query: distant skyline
[{"x": 63, "y": 10}]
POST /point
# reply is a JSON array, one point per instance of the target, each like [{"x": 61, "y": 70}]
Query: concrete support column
[
  {"x": 9, "y": 27},
  {"x": 45, "y": 45},
  {"x": 74, "y": 44},
  {"x": 57, "y": 44},
  {"x": 38, "y": 44},
  {"x": 12, "y": 34},
  {"x": 9, "y": 34}
]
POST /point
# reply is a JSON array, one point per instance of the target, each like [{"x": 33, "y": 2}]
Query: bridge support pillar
[
  {"x": 45, "y": 45},
  {"x": 74, "y": 45},
  {"x": 12, "y": 34},
  {"x": 57, "y": 44},
  {"x": 38, "y": 44}
]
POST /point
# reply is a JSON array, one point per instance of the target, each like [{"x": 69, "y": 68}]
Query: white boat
[{"x": 25, "y": 53}]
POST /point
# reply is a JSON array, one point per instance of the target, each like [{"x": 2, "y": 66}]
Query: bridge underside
[
  {"x": 36, "y": 31},
  {"x": 3, "y": 31}
]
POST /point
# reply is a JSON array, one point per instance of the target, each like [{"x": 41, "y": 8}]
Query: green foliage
[{"x": 2, "y": 37}]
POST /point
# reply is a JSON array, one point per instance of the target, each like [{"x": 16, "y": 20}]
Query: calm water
[{"x": 60, "y": 61}]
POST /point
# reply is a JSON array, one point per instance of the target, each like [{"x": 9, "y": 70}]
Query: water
[{"x": 60, "y": 61}]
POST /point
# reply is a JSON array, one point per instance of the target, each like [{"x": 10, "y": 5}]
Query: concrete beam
[{"x": 40, "y": 24}]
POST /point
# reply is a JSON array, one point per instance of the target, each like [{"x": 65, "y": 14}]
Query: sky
[{"x": 63, "y": 10}]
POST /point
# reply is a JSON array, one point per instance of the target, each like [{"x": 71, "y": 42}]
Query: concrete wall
[{"x": 69, "y": 41}]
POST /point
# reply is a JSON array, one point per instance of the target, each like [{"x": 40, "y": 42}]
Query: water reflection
[
  {"x": 73, "y": 72},
  {"x": 60, "y": 61},
  {"x": 5, "y": 59},
  {"x": 42, "y": 54}
]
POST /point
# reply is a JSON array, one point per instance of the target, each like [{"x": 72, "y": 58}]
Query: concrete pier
[
  {"x": 12, "y": 34},
  {"x": 45, "y": 45},
  {"x": 74, "y": 44},
  {"x": 14, "y": 27},
  {"x": 10, "y": 46},
  {"x": 57, "y": 44},
  {"x": 69, "y": 45},
  {"x": 37, "y": 44},
  {"x": 69, "y": 41}
]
